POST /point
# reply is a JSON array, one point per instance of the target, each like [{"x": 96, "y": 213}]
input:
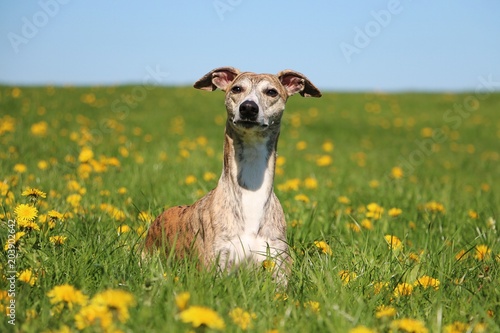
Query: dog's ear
[
  {"x": 217, "y": 78},
  {"x": 294, "y": 82}
]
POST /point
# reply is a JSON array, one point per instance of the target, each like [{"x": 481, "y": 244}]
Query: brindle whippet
[{"x": 241, "y": 220}]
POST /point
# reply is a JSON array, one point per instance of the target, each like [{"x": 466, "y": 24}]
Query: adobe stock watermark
[
  {"x": 221, "y": 7},
  {"x": 11, "y": 272},
  {"x": 31, "y": 25},
  {"x": 125, "y": 103},
  {"x": 453, "y": 117},
  {"x": 371, "y": 30}
]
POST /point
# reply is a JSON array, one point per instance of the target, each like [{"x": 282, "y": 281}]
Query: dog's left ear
[
  {"x": 295, "y": 82},
  {"x": 217, "y": 78}
]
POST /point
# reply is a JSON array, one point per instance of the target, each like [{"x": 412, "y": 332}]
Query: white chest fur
[{"x": 255, "y": 176}]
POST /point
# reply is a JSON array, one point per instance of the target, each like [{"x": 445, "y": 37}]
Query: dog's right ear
[{"x": 217, "y": 78}]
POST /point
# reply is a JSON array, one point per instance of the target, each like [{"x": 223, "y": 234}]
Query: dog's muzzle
[{"x": 249, "y": 115}]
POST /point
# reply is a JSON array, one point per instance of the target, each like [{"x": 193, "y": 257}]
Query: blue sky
[{"x": 390, "y": 45}]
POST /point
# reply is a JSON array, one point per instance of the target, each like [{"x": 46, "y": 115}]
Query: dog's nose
[{"x": 249, "y": 110}]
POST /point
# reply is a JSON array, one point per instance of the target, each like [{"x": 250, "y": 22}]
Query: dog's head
[{"x": 256, "y": 101}]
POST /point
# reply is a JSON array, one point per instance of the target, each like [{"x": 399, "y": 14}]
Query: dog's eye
[
  {"x": 271, "y": 92},
  {"x": 236, "y": 89}
]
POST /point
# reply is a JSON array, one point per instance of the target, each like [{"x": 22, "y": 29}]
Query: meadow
[{"x": 391, "y": 202}]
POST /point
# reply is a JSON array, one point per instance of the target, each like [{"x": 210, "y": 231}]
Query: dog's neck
[{"x": 248, "y": 174}]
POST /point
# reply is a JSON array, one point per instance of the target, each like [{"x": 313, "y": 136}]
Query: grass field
[{"x": 391, "y": 202}]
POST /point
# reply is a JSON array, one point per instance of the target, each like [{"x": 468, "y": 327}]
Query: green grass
[{"x": 161, "y": 137}]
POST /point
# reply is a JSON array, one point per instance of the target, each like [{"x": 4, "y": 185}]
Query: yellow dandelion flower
[
  {"x": 94, "y": 314},
  {"x": 462, "y": 254},
  {"x": 123, "y": 229},
  {"x": 374, "y": 183},
  {"x": 362, "y": 329},
  {"x": 427, "y": 281},
  {"x": 116, "y": 300},
  {"x": 456, "y": 327},
  {"x": 290, "y": 185},
  {"x": 57, "y": 240},
  {"x": 145, "y": 217},
  {"x": 42, "y": 165},
  {"x": 67, "y": 294},
  {"x": 55, "y": 215},
  {"x": 403, "y": 289},
  {"x": 209, "y": 176},
  {"x": 346, "y": 276},
  {"x": 202, "y": 316},
  {"x": 190, "y": 180},
  {"x": 327, "y": 146},
  {"x": 378, "y": 286},
  {"x": 33, "y": 193},
  {"x": 367, "y": 224},
  {"x": 20, "y": 168},
  {"x": 385, "y": 311},
  {"x": 242, "y": 318},
  {"x": 268, "y": 264},
  {"x": 324, "y": 160},
  {"x": 40, "y": 128},
  {"x": 25, "y": 212},
  {"x": 312, "y": 305},
  {"x": 301, "y": 145},
  {"x": 397, "y": 173},
  {"x": 27, "y": 276},
  {"x": 374, "y": 211},
  {"x": 323, "y": 247},
  {"x": 311, "y": 183},
  {"x": 86, "y": 154},
  {"x": 483, "y": 252},
  {"x": 394, "y": 212},
  {"x": 74, "y": 200},
  {"x": 393, "y": 242},
  {"x": 30, "y": 225},
  {"x": 434, "y": 207},
  {"x": 181, "y": 300},
  {"x": 302, "y": 198},
  {"x": 473, "y": 214},
  {"x": 344, "y": 200},
  {"x": 354, "y": 227},
  {"x": 409, "y": 325}
]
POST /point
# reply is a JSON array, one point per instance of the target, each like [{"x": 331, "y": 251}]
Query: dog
[{"x": 241, "y": 221}]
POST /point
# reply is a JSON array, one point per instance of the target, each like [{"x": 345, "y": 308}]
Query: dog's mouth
[{"x": 249, "y": 123}]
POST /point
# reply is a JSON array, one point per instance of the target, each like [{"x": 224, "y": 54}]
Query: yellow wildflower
[
  {"x": 393, "y": 242},
  {"x": 313, "y": 305},
  {"x": 27, "y": 276},
  {"x": 473, "y": 214},
  {"x": 403, "y": 289},
  {"x": 30, "y": 225},
  {"x": 409, "y": 325},
  {"x": 86, "y": 154},
  {"x": 67, "y": 294},
  {"x": 25, "y": 212},
  {"x": 434, "y": 207},
  {"x": 33, "y": 193},
  {"x": 361, "y": 329},
  {"x": 324, "y": 247},
  {"x": 374, "y": 211},
  {"x": 302, "y": 198},
  {"x": 57, "y": 240},
  {"x": 123, "y": 229},
  {"x": 378, "y": 286},
  {"x": 268, "y": 264},
  {"x": 190, "y": 180},
  {"x": 242, "y": 318},
  {"x": 344, "y": 200},
  {"x": 17, "y": 236},
  {"x": 367, "y": 224},
  {"x": 311, "y": 183},
  {"x": 483, "y": 252},
  {"x": 209, "y": 176},
  {"x": 347, "y": 276},
  {"x": 92, "y": 314},
  {"x": 181, "y": 300},
  {"x": 394, "y": 212},
  {"x": 456, "y": 327},
  {"x": 40, "y": 128},
  {"x": 397, "y": 173},
  {"x": 301, "y": 145},
  {"x": 20, "y": 168},
  {"x": 324, "y": 160},
  {"x": 327, "y": 146},
  {"x": 427, "y": 281},
  {"x": 202, "y": 316},
  {"x": 385, "y": 311},
  {"x": 55, "y": 215},
  {"x": 116, "y": 300}
]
